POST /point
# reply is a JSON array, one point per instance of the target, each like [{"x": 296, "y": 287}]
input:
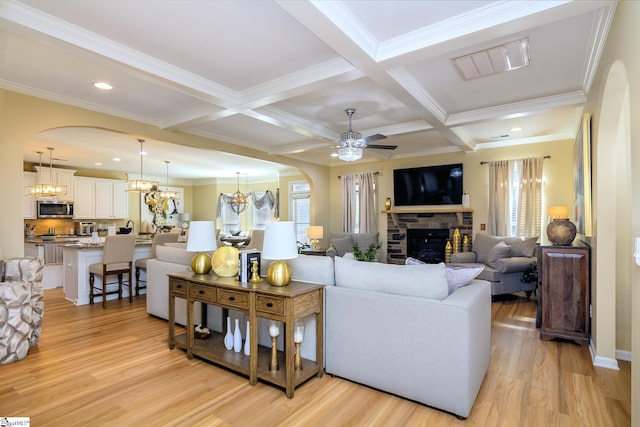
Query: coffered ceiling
[{"x": 276, "y": 76}]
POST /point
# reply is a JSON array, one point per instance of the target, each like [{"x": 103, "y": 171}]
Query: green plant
[
  {"x": 369, "y": 255},
  {"x": 302, "y": 246},
  {"x": 530, "y": 275}
]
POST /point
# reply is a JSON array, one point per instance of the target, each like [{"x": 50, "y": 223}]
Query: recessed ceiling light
[
  {"x": 334, "y": 154},
  {"x": 98, "y": 163},
  {"x": 516, "y": 129},
  {"x": 103, "y": 85},
  {"x": 116, "y": 159}
]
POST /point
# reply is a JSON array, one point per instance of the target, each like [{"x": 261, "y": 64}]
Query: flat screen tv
[{"x": 428, "y": 185}]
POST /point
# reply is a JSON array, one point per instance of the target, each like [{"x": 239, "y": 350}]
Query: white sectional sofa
[{"x": 396, "y": 328}]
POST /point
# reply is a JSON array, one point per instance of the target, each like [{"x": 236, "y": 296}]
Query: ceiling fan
[{"x": 353, "y": 138}]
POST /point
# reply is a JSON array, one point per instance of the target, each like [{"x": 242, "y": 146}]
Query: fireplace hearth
[
  {"x": 439, "y": 223},
  {"x": 427, "y": 245}
]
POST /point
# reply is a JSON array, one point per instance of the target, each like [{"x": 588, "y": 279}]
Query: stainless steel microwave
[{"x": 55, "y": 209}]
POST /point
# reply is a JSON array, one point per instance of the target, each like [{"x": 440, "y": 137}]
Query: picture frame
[{"x": 582, "y": 177}]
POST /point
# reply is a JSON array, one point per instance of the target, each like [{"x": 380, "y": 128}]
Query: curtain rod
[
  {"x": 486, "y": 163},
  {"x": 375, "y": 173}
]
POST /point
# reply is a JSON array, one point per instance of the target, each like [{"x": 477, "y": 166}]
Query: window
[
  {"x": 514, "y": 198},
  {"x": 260, "y": 216},
  {"x": 230, "y": 219},
  {"x": 300, "y": 208}
]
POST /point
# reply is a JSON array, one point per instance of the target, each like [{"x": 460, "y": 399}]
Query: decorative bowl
[{"x": 48, "y": 237}]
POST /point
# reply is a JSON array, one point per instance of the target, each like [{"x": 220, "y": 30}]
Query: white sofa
[{"x": 384, "y": 330}]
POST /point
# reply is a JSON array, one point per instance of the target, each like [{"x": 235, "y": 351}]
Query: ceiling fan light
[{"x": 350, "y": 154}]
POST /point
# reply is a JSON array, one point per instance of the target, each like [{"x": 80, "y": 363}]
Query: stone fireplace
[{"x": 423, "y": 234}]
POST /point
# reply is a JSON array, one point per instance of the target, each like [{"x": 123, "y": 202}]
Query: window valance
[{"x": 268, "y": 198}]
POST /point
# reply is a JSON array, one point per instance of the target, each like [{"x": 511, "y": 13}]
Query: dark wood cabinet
[{"x": 564, "y": 301}]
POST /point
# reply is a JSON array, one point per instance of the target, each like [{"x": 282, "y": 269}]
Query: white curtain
[
  {"x": 515, "y": 197},
  {"x": 348, "y": 203},
  {"x": 499, "y": 177},
  {"x": 530, "y": 198},
  {"x": 366, "y": 198}
]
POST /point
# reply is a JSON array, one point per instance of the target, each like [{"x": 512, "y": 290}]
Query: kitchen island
[
  {"x": 51, "y": 251},
  {"x": 77, "y": 257}
]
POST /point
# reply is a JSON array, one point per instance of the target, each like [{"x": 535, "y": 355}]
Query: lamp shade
[
  {"x": 315, "y": 231},
  {"x": 202, "y": 236},
  {"x": 561, "y": 212},
  {"x": 279, "y": 241}
]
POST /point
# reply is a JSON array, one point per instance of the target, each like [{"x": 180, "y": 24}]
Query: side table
[{"x": 285, "y": 304}]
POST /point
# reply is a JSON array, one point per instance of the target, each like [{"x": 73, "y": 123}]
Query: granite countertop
[
  {"x": 58, "y": 239},
  {"x": 79, "y": 245}
]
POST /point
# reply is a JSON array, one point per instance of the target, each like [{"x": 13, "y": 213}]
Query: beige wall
[
  {"x": 614, "y": 102},
  {"x": 557, "y": 184}
]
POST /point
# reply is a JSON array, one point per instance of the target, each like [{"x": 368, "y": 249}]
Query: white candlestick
[
  {"x": 298, "y": 332},
  {"x": 274, "y": 330}
]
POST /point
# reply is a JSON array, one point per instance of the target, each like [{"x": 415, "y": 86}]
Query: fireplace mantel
[{"x": 428, "y": 209}]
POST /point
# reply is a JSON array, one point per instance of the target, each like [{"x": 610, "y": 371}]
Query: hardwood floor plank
[{"x": 113, "y": 367}]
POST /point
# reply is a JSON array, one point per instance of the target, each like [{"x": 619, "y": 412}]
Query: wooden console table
[{"x": 285, "y": 304}]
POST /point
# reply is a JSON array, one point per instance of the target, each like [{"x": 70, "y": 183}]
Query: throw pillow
[
  {"x": 500, "y": 250},
  {"x": 456, "y": 276},
  {"x": 482, "y": 244},
  {"x": 461, "y": 276},
  {"x": 523, "y": 247},
  {"x": 427, "y": 281},
  {"x": 342, "y": 245}
]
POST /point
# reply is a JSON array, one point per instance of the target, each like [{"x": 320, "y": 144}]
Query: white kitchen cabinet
[
  {"x": 85, "y": 197},
  {"x": 58, "y": 176},
  {"x": 29, "y": 202},
  {"x": 98, "y": 198}
]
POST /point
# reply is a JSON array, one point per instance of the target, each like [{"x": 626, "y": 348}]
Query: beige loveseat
[
  {"x": 504, "y": 260},
  {"x": 21, "y": 307}
]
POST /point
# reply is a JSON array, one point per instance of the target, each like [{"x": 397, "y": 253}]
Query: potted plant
[
  {"x": 369, "y": 255},
  {"x": 530, "y": 275}
]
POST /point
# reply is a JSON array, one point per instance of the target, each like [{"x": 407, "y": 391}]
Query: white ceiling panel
[{"x": 276, "y": 76}]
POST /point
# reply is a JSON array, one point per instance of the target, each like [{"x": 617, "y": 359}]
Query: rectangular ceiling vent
[{"x": 507, "y": 57}]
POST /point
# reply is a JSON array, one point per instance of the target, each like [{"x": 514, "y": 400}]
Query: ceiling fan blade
[
  {"x": 59, "y": 160},
  {"x": 372, "y": 138},
  {"x": 382, "y": 147}
]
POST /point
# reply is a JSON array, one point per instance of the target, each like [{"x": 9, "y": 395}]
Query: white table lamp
[
  {"x": 202, "y": 238},
  {"x": 279, "y": 245},
  {"x": 315, "y": 232}
]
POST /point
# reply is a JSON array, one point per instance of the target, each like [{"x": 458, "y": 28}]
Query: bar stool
[
  {"x": 141, "y": 263},
  {"x": 117, "y": 259}
]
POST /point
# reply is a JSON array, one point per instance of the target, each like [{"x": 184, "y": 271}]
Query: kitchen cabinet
[
  {"x": 85, "y": 203},
  {"x": 98, "y": 198},
  {"x": 58, "y": 176},
  {"x": 564, "y": 303},
  {"x": 29, "y": 202}
]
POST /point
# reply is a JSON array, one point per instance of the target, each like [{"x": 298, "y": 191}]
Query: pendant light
[
  {"x": 238, "y": 201},
  {"x": 140, "y": 185},
  {"x": 167, "y": 194},
  {"x": 49, "y": 189}
]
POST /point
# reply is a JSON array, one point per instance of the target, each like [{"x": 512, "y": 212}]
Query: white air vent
[{"x": 507, "y": 57}]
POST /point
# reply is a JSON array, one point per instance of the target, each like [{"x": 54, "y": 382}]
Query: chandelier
[
  {"x": 46, "y": 190},
  {"x": 351, "y": 142},
  {"x": 167, "y": 194},
  {"x": 238, "y": 200},
  {"x": 140, "y": 185}
]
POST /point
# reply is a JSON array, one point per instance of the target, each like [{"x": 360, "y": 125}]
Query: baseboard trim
[
  {"x": 623, "y": 355},
  {"x": 602, "y": 362}
]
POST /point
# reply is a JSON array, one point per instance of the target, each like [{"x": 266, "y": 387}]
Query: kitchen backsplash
[{"x": 62, "y": 226}]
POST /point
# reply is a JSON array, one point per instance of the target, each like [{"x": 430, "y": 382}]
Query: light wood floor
[{"x": 113, "y": 367}]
